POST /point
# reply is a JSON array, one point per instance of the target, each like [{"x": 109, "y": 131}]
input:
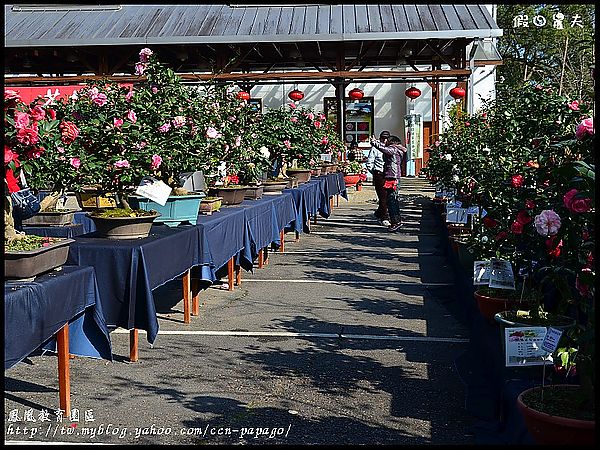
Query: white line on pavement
[
  {"x": 353, "y": 252},
  {"x": 300, "y": 334},
  {"x": 251, "y": 280}
]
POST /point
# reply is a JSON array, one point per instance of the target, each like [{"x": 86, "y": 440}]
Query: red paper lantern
[
  {"x": 412, "y": 92},
  {"x": 457, "y": 93},
  {"x": 356, "y": 94},
  {"x": 296, "y": 95},
  {"x": 243, "y": 95}
]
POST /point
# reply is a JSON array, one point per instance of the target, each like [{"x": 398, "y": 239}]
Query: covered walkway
[{"x": 349, "y": 337}]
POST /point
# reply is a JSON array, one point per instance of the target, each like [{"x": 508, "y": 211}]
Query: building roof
[{"x": 102, "y": 25}]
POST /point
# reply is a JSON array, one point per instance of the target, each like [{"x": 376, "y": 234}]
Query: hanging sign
[
  {"x": 524, "y": 346},
  {"x": 154, "y": 189},
  {"x": 551, "y": 340}
]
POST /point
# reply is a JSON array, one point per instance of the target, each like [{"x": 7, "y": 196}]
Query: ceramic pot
[
  {"x": 30, "y": 263},
  {"x": 178, "y": 208},
  {"x": 303, "y": 175},
  {"x": 123, "y": 227},
  {"x": 229, "y": 195}
]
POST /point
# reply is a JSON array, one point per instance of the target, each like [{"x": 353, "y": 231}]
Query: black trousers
[{"x": 382, "y": 208}]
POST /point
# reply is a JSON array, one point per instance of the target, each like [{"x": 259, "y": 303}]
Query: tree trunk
[
  {"x": 49, "y": 203},
  {"x": 10, "y": 232}
]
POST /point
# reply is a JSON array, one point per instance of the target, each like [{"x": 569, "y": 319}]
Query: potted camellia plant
[
  {"x": 171, "y": 125},
  {"x": 28, "y": 131},
  {"x": 110, "y": 154},
  {"x": 352, "y": 171}
]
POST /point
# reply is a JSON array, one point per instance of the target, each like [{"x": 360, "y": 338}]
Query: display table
[
  {"x": 61, "y": 303},
  {"x": 128, "y": 270}
]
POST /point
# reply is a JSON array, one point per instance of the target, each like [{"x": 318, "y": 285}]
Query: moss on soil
[
  {"x": 29, "y": 243},
  {"x": 123, "y": 212},
  {"x": 562, "y": 402}
]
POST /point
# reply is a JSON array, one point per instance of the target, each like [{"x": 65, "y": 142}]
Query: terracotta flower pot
[
  {"x": 556, "y": 430},
  {"x": 230, "y": 195},
  {"x": 303, "y": 175},
  {"x": 488, "y": 306},
  {"x": 351, "y": 180}
]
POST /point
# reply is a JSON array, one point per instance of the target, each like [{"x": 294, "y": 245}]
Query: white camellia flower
[
  {"x": 455, "y": 178},
  {"x": 448, "y": 156},
  {"x": 484, "y": 239},
  {"x": 265, "y": 152}
]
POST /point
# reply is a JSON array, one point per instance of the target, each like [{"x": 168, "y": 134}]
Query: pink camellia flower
[
  {"x": 145, "y": 54},
  {"x": 140, "y": 68},
  {"x": 577, "y": 205},
  {"x": 131, "y": 116},
  {"x": 325, "y": 140},
  {"x": 28, "y": 136},
  {"x": 568, "y": 198},
  {"x": 129, "y": 96},
  {"x": 467, "y": 124},
  {"x": 311, "y": 116},
  {"x": 156, "y": 162},
  {"x": 22, "y": 119},
  {"x": 574, "y": 105},
  {"x": 211, "y": 133},
  {"x": 100, "y": 99},
  {"x": 178, "y": 121},
  {"x": 523, "y": 217},
  {"x": 585, "y": 128},
  {"x": 547, "y": 223},
  {"x": 238, "y": 141},
  {"x": 516, "y": 227},
  {"x": 517, "y": 181},
  {"x": 292, "y": 105},
  {"x": 122, "y": 164},
  {"x": 117, "y": 122},
  {"x": 529, "y": 204},
  {"x": 294, "y": 119},
  {"x": 9, "y": 155},
  {"x": 538, "y": 87},
  {"x": 165, "y": 127},
  {"x": 69, "y": 131},
  {"x": 287, "y": 143},
  {"x": 60, "y": 149},
  {"x": 318, "y": 124},
  {"x": 154, "y": 89},
  {"x": 75, "y": 162},
  {"x": 37, "y": 112}
]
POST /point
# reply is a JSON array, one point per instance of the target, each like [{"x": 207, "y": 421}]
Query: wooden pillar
[
  {"x": 260, "y": 259},
  {"x": 238, "y": 275},
  {"x": 186, "y": 296},
  {"x": 133, "y": 345},
  {"x": 64, "y": 380},
  {"x": 230, "y": 265},
  {"x": 195, "y": 296}
]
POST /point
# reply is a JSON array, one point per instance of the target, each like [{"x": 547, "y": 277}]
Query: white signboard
[
  {"x": 481, "y": 273},
  {"x": 456, "y": 215},
  {"x": 501, "y": 274},
  {"x": 155, "y": 190},
  {"x": 551, "y": 340},
  {"x": 524, "y": 346}
]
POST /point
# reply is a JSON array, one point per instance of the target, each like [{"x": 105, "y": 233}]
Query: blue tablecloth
[
  {"x": 34, "y": 311},
  {"x": 308, "y": 198},
  {"x": 221, "y": 236},
  {"x": 81, "y": 217},
  {"x": 128, "y": 270},
  {"x": 67, "y": 231}
]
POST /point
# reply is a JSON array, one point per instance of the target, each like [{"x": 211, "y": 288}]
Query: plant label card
[
  {"x": 524, "y": 346},
  {"x": 481, "y": 273},
  {"x": 325, "y": 157},
  {"x": 456, "y": 215},
  {"x": 473, "y": 210},
  {"x": 501, "y": 274},
  {"x": 551, "y": 340},
  {"x": 155, "y": 190},
  {"x": 483, "y": 213}
]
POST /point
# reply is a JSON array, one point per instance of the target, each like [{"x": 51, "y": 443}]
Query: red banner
[{"x": 28, "y": 94}]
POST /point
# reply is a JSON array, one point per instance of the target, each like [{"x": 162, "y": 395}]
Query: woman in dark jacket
[{"x": 393, "y": 155}]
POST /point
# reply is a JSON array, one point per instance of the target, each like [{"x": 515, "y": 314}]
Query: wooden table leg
[
  {"x": 133, "y": 345},
  {"x": 266, "y": 255},
  {"x": 260, "y": 259},
  {"x": 238, "y": 275},
  {"x": 297, "y": 236},
  {"x": 64, "y": 381},
  {"x": 337, "y": 199},
  {"x": 315, "y": 219},
  {"x": 282, "y": 238},
  {"x": 331, "y": 203},
  {"x": 195, "y": 296},
  {"x": 186, "y": 296},
  {"x": 230, "y": 265}
]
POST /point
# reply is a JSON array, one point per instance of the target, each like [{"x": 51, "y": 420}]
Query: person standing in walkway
[
  {"x": 393, "y": 155},
  {"x": 374, "y": 165}
]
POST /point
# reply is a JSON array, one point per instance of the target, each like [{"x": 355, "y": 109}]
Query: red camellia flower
[
  {"x": 516, "y": 227},
  {"x": 37, "y": 112},
  {"x": 502, "y": 235},
  {"x": 69, "y": 132},
  {"x": 553, "y": 251},
  {"x": 523, "y": 217},
  {"x": 9, "y": 155},
  {"x": 51, "y": 113},
  {"x": 529, "y": 204},
  {"x": 28, "y": 136},
  {"x": 577, "y": 205},
  {"x": 517, "y": 181},
  {"x": 533, "y": 164},
  {"x": 489, "y": 222}
]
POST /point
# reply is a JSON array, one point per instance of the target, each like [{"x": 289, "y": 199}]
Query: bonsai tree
[{"x": 36, "y": 142}]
